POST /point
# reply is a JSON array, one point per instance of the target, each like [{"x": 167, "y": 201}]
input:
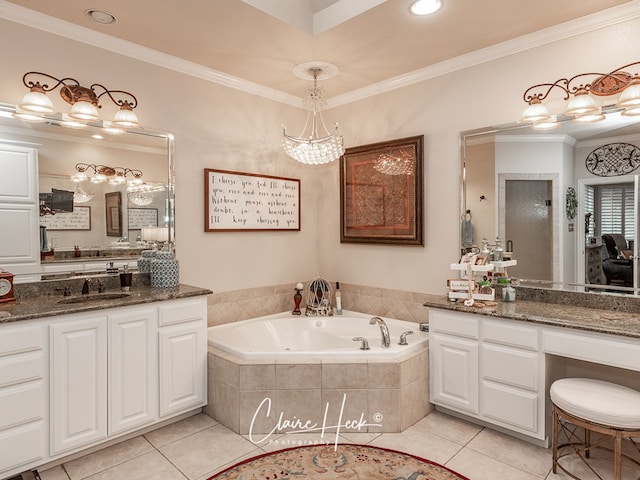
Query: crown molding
[{"x": 40, "y": 21}]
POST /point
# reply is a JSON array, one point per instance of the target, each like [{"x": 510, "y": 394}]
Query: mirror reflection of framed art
[{"x": 113, "y": 210}]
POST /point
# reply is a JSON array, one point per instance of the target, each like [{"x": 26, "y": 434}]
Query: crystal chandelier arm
[
  {"x": 131, "y": 102},
  {"x": 31, "y": 83}
]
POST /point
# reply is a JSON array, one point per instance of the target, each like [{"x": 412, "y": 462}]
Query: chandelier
[
  {"x": 310, "y": 148},
  {"x": 402, "y": 164},
  {"x": 80, "y": 196},
  {"x": 36, "y": 106},
  {"x": 585, "y": 93},
  {"x": 142, "y": 194},
  {"x": 104, "y": 173}
]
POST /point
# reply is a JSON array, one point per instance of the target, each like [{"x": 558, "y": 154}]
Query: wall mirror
[
  {"x": 108, "y": 218},
  {"x": 514, "y": 182}
]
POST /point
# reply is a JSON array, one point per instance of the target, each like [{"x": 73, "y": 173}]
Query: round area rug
[{"x": 344, "y": 461}]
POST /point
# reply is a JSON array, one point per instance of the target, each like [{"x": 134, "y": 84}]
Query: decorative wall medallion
[{"x": 613, "y": 160}]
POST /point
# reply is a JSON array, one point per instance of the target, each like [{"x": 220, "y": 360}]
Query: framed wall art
[
  {"x": 79, "y": 219},
  {"x": 381, "y": 193},
  {"x": 113, "y": 211},
  {"x": 236, "y": 201}
]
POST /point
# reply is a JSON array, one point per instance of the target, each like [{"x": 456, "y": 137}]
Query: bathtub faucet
[{"x": 384, "y": 330}]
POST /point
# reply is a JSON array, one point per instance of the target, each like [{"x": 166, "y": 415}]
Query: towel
[
  {"x": 44, "y": 243},
  {"x": 466, "y": 233}
]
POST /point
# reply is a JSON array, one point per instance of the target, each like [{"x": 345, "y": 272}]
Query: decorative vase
[
  {"x": 164, "y": 270},
  {"x": 144, "y": 262}
]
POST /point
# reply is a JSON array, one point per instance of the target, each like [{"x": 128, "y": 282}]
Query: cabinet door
[
  {"x": 183, "y": 366},
  {"x": 454, "y": 372},
  {"x": 133, "y": 384},
  {"x": 78, "y": 382}
]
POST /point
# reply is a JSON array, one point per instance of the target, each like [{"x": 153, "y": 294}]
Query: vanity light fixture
[
  {"x": 84, "y": 101},
  {"x": 104, "y": 173},
  {"x": 582, "y": 92},
  {"x": 311, "y": 148}
]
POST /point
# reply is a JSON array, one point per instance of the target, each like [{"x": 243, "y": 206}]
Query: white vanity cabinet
[
  {"x": 23, "y": 397},
  {"x": 74, "y": 381},
  {"x": 489, "y": 369},
  {"x": 19, "y": 208},
  {"x": 183, "y": 356},
  {"x": 78, "y": 372}
]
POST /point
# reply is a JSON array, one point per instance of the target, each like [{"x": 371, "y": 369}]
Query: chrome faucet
[{"x": 384, "y": 330}]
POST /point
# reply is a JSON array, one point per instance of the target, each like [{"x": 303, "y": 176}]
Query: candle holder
[{"x": 297, "y": 298}]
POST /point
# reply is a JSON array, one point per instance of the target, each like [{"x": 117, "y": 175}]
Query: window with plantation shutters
[{"x": 614, "y": 212}]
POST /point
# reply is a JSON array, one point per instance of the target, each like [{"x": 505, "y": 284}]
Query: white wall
[{"x": 216, "y": 127}]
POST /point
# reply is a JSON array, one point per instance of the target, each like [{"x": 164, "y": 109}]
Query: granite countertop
[
  {"x": 568, "y": 315},
  {"x": 30, "y": 307}
]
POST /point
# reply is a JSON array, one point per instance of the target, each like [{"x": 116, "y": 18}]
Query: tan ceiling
[{"x": 232, "y": 37}]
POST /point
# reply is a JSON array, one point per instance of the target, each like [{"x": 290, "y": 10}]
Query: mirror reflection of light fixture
[
  {"x": 389, "y": 164},
  {"x": 142, "y": 194},
  {"x": 84, "y": 101},
  {"x": 104, "y": 173},
  {"x": 155, "y": 235},
  {"x": 582, "y": 103},
  {"x": 310, "y": 148},
  {"x": 80, "y": 196}
]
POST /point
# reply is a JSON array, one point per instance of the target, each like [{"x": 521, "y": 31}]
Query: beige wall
[{"x": 217, "y": 127}]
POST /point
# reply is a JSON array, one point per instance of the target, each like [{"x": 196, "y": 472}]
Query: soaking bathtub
[
  {"x": 296, "y": 367},
  {"x": 284, "y": 336}
]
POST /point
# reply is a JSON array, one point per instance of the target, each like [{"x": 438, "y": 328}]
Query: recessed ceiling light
[
  {"x": 101, "y": 16},
  {"x": 425, "y": 7}
]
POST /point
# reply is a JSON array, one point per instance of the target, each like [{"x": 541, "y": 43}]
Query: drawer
[
  {"x": 454, "y": 323},
  {"x": 23, "y": 403},
  {"x": 509, "y": 333},
  {"x": 517, "y": 408},
  {"x": 180, "y": 311},
  {"x": 16, "y": 339},
  {"x": 508, "y": 365},
  {"x": 21, "y": 367},
  {"x": 22, "y": 446}
]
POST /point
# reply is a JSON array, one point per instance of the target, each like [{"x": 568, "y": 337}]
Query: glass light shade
[
  {"x": 117, "y": 180},
  {"x": 535, "y": 112},
  {"x": 125, "y": 118},
  {"x": 84, "y": 111},
  {"x": 79, "y": 177},
  {"x": 313, "y": 151},
  {"x": 592, "y": 117},
  {"x": 35, "y": 101},
  {"x": 548, "y": 124},
  {"x": 99, "y": 178},
  {"x": 29, "y": 116},
  {"x": 80, "y": 196},
  {"x": 149, "y": 233},
  {"x": 631, "y": 111},
  {"x": 71, "y": 122},
  {"x": 135, "y": 181},
  {"x": 630, "y": 97},
  {"x": 581, "y": 103}
]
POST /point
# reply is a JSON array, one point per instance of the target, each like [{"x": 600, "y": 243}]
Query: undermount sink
[{"x": 94, "y": 297}]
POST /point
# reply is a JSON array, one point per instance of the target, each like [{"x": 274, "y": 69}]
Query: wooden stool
[{"x": 596, "y": 406}]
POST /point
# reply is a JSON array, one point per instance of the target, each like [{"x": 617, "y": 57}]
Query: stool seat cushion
[{"x": 598, "y": 402}]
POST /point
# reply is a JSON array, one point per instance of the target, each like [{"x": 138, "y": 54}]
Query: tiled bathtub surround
[
  {"x": 393, "y": 393},
  {"x": 227, "y": 307}
]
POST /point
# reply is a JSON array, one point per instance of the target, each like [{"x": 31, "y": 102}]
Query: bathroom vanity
[
  {"x": 493, "y": 365},
  {"x": 77, "y": 372}
]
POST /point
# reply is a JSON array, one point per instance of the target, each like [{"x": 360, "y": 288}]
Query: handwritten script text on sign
[{"x": 250, "y": 202}]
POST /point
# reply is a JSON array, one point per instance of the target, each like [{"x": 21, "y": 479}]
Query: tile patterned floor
[{"x": 197, "y": 447}]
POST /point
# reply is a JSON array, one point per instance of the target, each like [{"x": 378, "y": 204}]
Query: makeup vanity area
[
  {"x": 494, "y": 364},
  {"x": 79, "y": 371}
]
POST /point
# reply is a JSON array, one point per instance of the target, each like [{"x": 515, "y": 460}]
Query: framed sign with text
[{"x": 236, "y": 201}]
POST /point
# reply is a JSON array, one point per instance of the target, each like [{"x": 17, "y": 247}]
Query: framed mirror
[
  {"x": 117, "y": 211},
  {"x": 515, "y": 183}
]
